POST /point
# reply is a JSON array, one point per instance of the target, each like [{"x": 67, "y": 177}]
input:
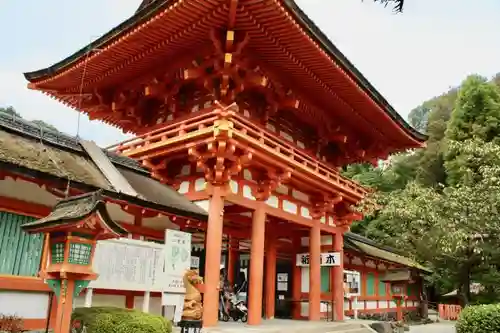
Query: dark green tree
[
  {"x": 439, "y": 204},
  {"x": 45, "y": 126},
  {"x": 430, "y": 170},
  {"x": 40, "y": 123},
  {"x": 418, "y": 118},
  {"x": 10, "y": 111},
  {"x": 476, "y": 116}
]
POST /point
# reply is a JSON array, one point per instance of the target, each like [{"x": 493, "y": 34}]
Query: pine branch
[{"x": 398, "y": 4}]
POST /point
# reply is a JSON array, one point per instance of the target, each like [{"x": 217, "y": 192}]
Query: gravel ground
[{"x": 434, "y": 328}]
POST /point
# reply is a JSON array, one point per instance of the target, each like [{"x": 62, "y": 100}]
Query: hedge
[
  {"x": 118, "y": 320},
  {"x": 479, "y": 319}
]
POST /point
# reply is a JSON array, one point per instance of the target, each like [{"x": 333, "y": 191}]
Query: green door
[{"x": 19, "y": 252}]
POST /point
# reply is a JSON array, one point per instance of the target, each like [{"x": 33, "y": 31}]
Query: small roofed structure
[
  {"x": 87, "y": 213},
  {"x": 72, "y": 230}
]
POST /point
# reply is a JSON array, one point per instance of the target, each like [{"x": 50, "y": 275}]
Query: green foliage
[
  {"x": 10, "y": 110},
  {"x": 479, "y": 319},
  {"x": 477, "y": 111},
  {"x": 44, "y": 126},
  {"x": 418, "y": 118},
  {"x": 476, "y": 115},
  {"x": 40, "y": 123},
  {"x": 118, "y": 320},
  {"x": 440, "y": 204},
  {"x": 430, "y": 167}
]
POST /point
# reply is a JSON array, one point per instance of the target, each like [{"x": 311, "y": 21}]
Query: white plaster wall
[
  {"x": 304, "y": 279},
  {"x": 154, "y": 304},
  {"x": 371, "y": 304},
  {"x": 101, "y": 300},
  {"x": 393, "y": 305},
  {"x": 304, "y": 309},
  {"x": 29, "y": 305},
  {"x": 360, "y": 305}
]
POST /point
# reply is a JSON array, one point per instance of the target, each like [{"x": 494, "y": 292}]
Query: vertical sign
[{"x": 177, "y": 259}]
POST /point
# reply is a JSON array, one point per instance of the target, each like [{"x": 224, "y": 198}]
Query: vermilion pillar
[
  {"x": 212, "y": 256},
  {"x": 338, "y": 277},
  {"x": 256, "y": 265},
  {"x": 270, "y": 277},
  {"x": 296, "y": 279},
  {"x": 64, "y": 307},
  {"x": 315, "y": 272}
]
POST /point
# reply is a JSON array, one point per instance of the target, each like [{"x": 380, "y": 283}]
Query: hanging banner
[
  {"x": 326, "y": 259},
  {"x": 177, "y": 259}
]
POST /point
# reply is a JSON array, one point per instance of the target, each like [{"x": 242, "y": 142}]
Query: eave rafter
[{"x": 225, "y": 73}]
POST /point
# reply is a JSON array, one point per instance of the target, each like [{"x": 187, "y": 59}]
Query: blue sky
[{"x": 408, "y": 57}]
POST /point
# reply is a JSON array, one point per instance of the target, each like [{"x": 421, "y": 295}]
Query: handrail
[
  {"x": 158, "y": 132},
  {"x": 245, "y": 127},
  {"x": 166, "y": 132},
  {"x": 262, "y": 135}
]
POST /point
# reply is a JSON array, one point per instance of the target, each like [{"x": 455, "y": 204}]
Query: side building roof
[
  {"x": 372, "y": 249},
  {"x": 43, "y": 153}
]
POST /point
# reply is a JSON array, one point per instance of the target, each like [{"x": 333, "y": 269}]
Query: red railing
[
  {"x": 174, "y": 130},
  {"x": 254, "y": 134},
  {"x": 286, "y": 149},
  {"x": 449, "y": 311}
]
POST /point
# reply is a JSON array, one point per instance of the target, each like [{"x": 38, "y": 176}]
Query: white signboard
[
  {"x": 326, "y": 259},
  {"x": 127, "y": 264},
  {"x": 195, "y": 262},
  {"x": 177, "y": 259},
  {"x": 352, "y": 284}
]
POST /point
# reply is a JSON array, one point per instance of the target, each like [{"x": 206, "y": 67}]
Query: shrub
[
  {"x": 118, "y": 320},
  {"x": 11, "y": 324},
  {"x": 479, "y": 319}
]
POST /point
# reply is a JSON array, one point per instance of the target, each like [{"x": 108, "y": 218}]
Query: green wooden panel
[
  {"x": 325, "y": 279},
  {"x": 19, "y": 252},
  {"x": 370, "y": 284},
  {"x": 381, "y": 288}
]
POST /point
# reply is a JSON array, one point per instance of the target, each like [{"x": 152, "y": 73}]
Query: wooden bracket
[
  {"x": 218, "y": 161},
  {"x": 271, "y": 181},
  {"x": 324, "y": 204}
]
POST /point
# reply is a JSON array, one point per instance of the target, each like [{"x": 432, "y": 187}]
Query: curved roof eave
[
  {"x": 140, "y": 16},
  {"x": 317, "y": 35},
  {"x": 151, "y": 8}
]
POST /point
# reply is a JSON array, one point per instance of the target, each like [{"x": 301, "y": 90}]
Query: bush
[
  {"x": 118, "y": 320},
  {"x": 479, "y": 319},
  {"x": 11, "y": 324}
]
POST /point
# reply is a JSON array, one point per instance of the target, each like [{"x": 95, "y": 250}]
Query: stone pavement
[
  {"x": 290, "y": 326},
  {"x": 434, "y": 328}
]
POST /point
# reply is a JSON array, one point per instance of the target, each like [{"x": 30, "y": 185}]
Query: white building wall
[{"x": 29, "y": 305}]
